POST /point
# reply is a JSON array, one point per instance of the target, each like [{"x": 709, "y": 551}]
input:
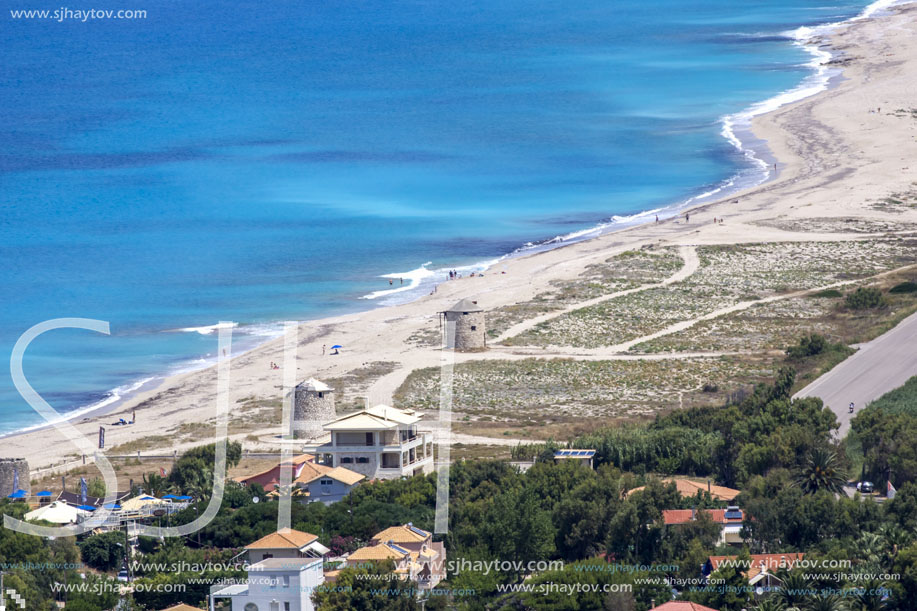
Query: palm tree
[
  {"x": 795, "y": 590},
  {"x": 821, "y": 471},
  {"x": 155, "y": 485},
  {"x": 771, "y": 603},
  {"x": 868, "y": 597},
  {"x": 828, "y": 602}
]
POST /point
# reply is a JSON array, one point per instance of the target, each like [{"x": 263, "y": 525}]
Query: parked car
[{"x": 866, "y": 487}]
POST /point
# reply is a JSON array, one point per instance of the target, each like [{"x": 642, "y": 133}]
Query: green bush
[
  {"x": 828, "y": 293},
  {"x": 904, "y": 288},
  {"x": 809, "y": 345},
  {"x": 865, "y": 298}
]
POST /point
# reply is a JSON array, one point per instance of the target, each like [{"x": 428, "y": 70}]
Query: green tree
[
  {"x": 104, "y": 551},
  {"x": 517, "y": 529},
  {"x": 369, "y": 587}
]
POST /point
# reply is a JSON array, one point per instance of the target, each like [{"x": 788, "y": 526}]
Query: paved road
[{"x": 878, "y": 366}]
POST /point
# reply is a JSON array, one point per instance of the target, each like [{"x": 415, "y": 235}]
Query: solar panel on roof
[
  {"x": 398, "y": 549},
  {"x": 417, "y": 530},
  {"x": 733, "y": 515}
]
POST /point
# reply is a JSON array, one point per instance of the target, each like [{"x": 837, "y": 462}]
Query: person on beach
[
  {"x": 402, "y": 281},
  {"x": 687, "y": 217},
  {"x": 657, "y": 218},
  {"x": 323, "y": 349}
]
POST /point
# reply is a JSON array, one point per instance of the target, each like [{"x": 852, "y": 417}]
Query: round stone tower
[
  {"x": 313, "y": 406},
  {"x": 468, "y": 318},
  {"x": 11, "y": 470}
]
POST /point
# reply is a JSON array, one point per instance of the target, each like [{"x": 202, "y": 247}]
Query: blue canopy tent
[
  {"x": 183, "y": 498},
  {"x": 44, "y": 493},
  {"x": 169, "y": 496},
  {"x": 19, "y": 494},
  {"x": 86, "y": 507}
]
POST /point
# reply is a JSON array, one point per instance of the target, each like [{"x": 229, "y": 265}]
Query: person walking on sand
[
  {"x": 687, "y": 217},
  {"x": 323, "y": 349},
  {"x": 657, "y": 218}
]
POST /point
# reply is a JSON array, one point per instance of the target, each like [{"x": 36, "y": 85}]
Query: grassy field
[
  {"x": 727, "y": 275},
  {"x": 630, "y": 269},
  {"x": 544, "y": 390}
]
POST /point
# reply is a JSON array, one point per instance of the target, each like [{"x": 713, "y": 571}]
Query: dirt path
[{"x": 691, "y": 263}]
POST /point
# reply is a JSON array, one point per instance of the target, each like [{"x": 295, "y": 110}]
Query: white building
[
  {"x": 381, "y": 442},
  {"x": 287, "y": 569}
]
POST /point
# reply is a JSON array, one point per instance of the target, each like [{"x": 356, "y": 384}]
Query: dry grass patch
[
  {"x": 727, "y": 275},
  {"x": 534, "y": 391}
]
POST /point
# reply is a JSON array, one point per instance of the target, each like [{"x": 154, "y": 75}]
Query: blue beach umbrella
[
  {"x": 44, "y": 493},
  {"x": 336, "y": 346},
  {"x": 19, "y": 494}
]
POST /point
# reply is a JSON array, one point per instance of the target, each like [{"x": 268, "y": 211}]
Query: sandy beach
[{"x": 839, "y": 153}]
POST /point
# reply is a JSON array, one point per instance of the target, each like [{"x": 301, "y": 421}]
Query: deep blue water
[{"x": 271, "y": 162}]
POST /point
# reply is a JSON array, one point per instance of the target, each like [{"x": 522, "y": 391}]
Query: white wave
[
  {"x": 413, "y": 277},
  {"x": 209, "y": 328}
]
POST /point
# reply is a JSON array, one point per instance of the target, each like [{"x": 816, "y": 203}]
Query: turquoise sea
[{"x": 270, "y": 162}]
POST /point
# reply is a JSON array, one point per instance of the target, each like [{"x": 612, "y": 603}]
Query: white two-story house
[
  {"x": 286, "y": 568},
  {"x": 380, "y": 442}
]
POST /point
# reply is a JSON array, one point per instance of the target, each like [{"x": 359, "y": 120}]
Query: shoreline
[
  {"x": 735, "y": 129},
  {"x": 765, "y": 127}
]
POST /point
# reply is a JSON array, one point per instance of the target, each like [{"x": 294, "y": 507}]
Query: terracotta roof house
[
  {"x": 285, "y": 569},
  {"x": 689, "y": 488},
  {"x": 417, "y": 557},
  {"x": 407, "y": 535},
  {"x": 682, "y": 605},
  {"x": 268, "y": 479},
  {"x": 730, "y": 519},
  {"x": 317, "y": 482},
  {"x": 183, "y": 607},
  {"x": 761, "y": 569},
  {"x": 285, "y": 543}
]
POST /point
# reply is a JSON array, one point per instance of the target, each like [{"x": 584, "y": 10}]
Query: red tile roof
[
  {"x": 681, "y": 605},
  {"x": 771, "y": 562},
  {"x": 685, "y": 516}
]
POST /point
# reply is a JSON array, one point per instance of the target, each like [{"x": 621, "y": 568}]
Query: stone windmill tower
[
  {"x": 313, "y": 406},
  {"x": 14, "y": 475},
  {"x": 467, "y": 318}
]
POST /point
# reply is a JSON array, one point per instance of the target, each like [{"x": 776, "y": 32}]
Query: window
[
  {"x": 474, "y": 327},
  {"x": 266, "y": 556},
  {"x": 362, "y": 460},
  {"x": 286, "y": 581},
  {"x": 251, "y": 607},
  {"x": 326, "y": 482},
  {"x": 286, "y": 606},
  {"x": 347, "y": 460},
  {"x": 320, "y": 395}
]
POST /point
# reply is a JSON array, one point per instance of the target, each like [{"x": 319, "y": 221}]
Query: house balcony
[{"x": 387, "y": 445}]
